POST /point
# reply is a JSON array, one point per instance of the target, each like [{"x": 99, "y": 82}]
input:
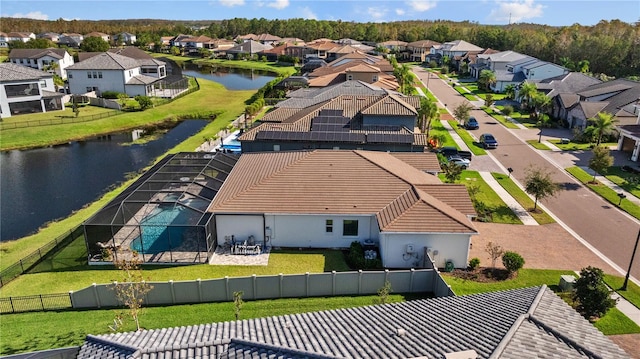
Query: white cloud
[
  {"x": 231, "y": 3},
  {"x": 515, "y": 11},
  {"x": 376, "y": 13},
  {"x": 308, "y": 14},
  {"x": 279, "y": 4},
  {"x": 37, "y": 15},
  {"x": 421, "y": 5},
  {"x": 400, "y": 12}
]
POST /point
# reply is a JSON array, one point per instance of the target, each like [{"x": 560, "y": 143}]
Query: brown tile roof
[
  {"x": 455, "y": 195},
  {"x": 339, "y": 182},
  {"x": 423, "y": 161},
  {"x": 391, "y": 105},
  {"x": 322, "y": 45},
  {"x": 360, "y": 68}
]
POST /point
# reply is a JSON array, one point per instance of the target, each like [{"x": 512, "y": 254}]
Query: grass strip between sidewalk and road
[
  {"x": 500, "y": 118},
  {"x": 538, "y": 145},
  {"x": 521, "y": 197},
  {"x": 605, "y": 192},
  {"x": 26, "y": 332},
  {"x": 473, "y": 145},
  {"x": 632, "y": 294}
]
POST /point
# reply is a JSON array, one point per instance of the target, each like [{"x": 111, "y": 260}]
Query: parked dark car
[
  {"x": 450, "y": 151},
  {"x": 471, "y": 124},
  {"x": 488, "y": 141}
]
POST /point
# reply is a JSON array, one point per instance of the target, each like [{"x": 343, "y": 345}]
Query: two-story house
[
  {"x": 102, "y": 35},
  {"x": 20, "y": 36},
  {"x": 419, "y": 50},
  {"x": 26, "y": 90},
  {"x": 4, "y": 39},
  {"x": 43, "y": 59},
  {"x": 526, "y": 69},
  {"x": 71, "y": 40},
  {"x": 125, "y": 38},
  {"x": 494, "y": 61},
  {"x": 113, "y": 72}
]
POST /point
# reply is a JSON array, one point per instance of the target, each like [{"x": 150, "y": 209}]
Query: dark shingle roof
[
  {"x": 106, "y": 61},
  {"x": 521, "y": 323},
  {"x": 36, "y": 53}
]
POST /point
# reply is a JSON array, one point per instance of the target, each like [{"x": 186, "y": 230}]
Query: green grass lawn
[
  {"x": 538, "y": 145},
  {"x": 26, "y": 332},
  {"x": 525, "y": 278},
  {"x": 57, "y": 115},
  {"x": 501, "y": 212},
  {"x": 438, "y": 128},
  {"x": 474, "y": 146},
  {"x": 630, "y": 182},
  {"x": 632, "y": 294},
  {"x": 500, "y": 118},
  {"x": 605, "y": 192},
  {"x": 68, "y": 270},
  {"x": 525, "y": 201},
  {"x": 281, "y": 70},
  {"x": 212, "y": 96},
  {"x": 615, "y": 322},
  {"x": 574, "y": 146}
]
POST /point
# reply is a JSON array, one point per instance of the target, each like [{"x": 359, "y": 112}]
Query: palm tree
[
  {"x": 583, "y": 66},
  {"x": 526, "y": 93},
  {"x": 603, "y": 124},
  {"x": 487, "y": 78},
  {"x": 427, "y": 112},
  {"x": 510, "y": 91}
]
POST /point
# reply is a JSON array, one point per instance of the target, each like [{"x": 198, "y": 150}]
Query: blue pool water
[{"x": 156, "y": 234}]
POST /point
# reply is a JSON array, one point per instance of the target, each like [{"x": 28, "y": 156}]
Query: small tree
[
  {"x": 539, "y": 184},
  {"x": 122, "y": 99},
  {"x": 592, "y": 294},
  {"x": 600, "y": 161},
  {"x": 144, "y": 101},
  {"x": 512, "y": 261},
  {"x": 461, "y": 112},
  {"x": 488, "y": 100},
  {"x": 383, "y": 293},
  {"x": 474, "y": 263},
  {"x": 507, "y": 110},
  {"x": 452, "y": 171},
  {"x": 495, "y": 251},
  {"x": 132, "y": 288},
  {"x": 237, "y": 303}
]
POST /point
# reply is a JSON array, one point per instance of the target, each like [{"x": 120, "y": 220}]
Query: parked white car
[{"x": 463, "y": 162}]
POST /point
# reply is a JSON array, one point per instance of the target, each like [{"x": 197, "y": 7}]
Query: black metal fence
[
  {"x": 57, "y": 121},
  {"x": 35, "y": 303},
  {"x": 26, "y": 263}
]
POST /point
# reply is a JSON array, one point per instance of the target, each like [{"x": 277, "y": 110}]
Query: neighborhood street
[{"x": 583, "y": 213}]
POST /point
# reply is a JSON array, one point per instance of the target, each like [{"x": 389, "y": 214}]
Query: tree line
[{"x": 610, "y": 47}]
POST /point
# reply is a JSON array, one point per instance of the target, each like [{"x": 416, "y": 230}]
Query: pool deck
[{"x": 223, "y": 257}]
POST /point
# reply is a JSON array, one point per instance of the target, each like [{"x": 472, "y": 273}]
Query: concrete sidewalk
[
  {"x": 631, "y": 311},
  {"x": 613, "y": 186},
  {"x": 517, "y": 209}
]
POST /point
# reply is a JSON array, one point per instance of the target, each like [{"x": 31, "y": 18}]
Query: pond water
[
  {"x": 231, "y": 78},
  {"x": 41, "y": 185}
]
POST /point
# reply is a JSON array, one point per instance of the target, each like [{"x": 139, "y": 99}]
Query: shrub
[
  {"x": 356, "y": 259},
  {"x": 111, "y": 95},
  {"x": 144, "y": 101},
  {"x": 507, "y": 110},
  {"x": 592, "y": 294},
  {"x": 512, "y": 261},
  {"x": 474, "y": 263}
]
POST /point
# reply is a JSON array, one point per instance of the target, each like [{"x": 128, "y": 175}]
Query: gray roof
[
  {"x": 249, "y": 47},
  {"x": 36, "y": 53},
  {"x": 623, "y": 94},
  {"x": 567, "y": 83},
  {"x": 521, "y": 323},
  {"x": 106, "y": 61},
  {"x": 142, "y": 80},
  {"x": 506, "y": 76},
  {"x": 13, "y": 72},
  {"x": 504, "y": 56},
  {"x": 306, "y": 97}
]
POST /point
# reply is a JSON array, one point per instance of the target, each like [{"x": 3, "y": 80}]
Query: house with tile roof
[
  {"x": 125, "y": 38},
  {"x": 20, "y": 36},
  {"x": 337, "y": 197},
  {"x": 26, "y": 90},
  {"x": 419, "y": 50},
  {"x": 248, "y": 48},
  {"x": 71, "y": 40},
  {"x": 52, "y": 36},
  {"x": 513, "y": 324},
  {"x": 102, "y": 35},
  {"x": 383, "y": 122},
  {"x": 109, "y": 71},
  {"x": 4, "y": 39},
  {"x": 43, "y": 58}
]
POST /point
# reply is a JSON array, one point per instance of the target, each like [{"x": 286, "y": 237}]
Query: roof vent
[
  {"x": 466, "y": 354},
  {"x": 401, "y": 332}
]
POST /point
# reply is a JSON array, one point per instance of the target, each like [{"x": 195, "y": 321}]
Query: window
[
  {"x": 43, "y": 83},
  {"x": 350, "y": 227},
  {"x": 99, "y": 74},
  {"x": 276, "y": 147},
  {"x": 349, "y": 77},
  {"x": 328, "y": 226},
  {"x": 70, "y": 75},
  {"x": 95, "y": 75},
  {"x": 88, "y": 74}
]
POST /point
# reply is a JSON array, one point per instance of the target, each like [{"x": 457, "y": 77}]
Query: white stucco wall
[
  {"x": 309, "y": 231},
  {"x": 112, "y": 80},
  {"x": 43, "y": 84},
  {"x": 240, "y": 226},
  {"x": 454, "y": 247},
  {"x": 544, "y": 72}
]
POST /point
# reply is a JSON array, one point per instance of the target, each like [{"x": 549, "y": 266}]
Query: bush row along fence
[
  {"x": 253, "y": 288},
  {"x": 23, "y": 265},
  {"x": 57, "y": 121},
  {"x": 80, "y": 119}
]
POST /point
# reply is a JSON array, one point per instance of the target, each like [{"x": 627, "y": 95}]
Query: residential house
[
  {"x": 373, "y": 69},
  {"x": 26, "y": 90},
  {"x": 513, "y": 324},
  {"x": 71, "y": 40},
  {"x": 340, "y": 51},
  {"x": 454, "y": 51},
  {"x": 371, "y": 122},
  {"x": 268, "y": 39},
  {"x": 4, "y": 39},
  {"x": 20, "y": 36},
  {"x": 494, "y": 62},
  {"x": 292, "y": 41},
  {"x": 419, "y": 50},
  {"x": 248, "y": 48},
  {"x": 179, "y": 40},
  {"x": 247, "y": 37},
  {"x": 558, "y": 88},
  {"x": 109, "y": 71},
  {"x": 51, "y": 36},
  {"x": 616, "y": 97},
  {"x": 394, "y": 45},
  {"x": 125, "y": 38},
  {"x": 102, "y": 35},
  {"x": 338, "y": 197},
  {"x": 42, "y": 59},
  {"x": 319, "y": 49},
  {"x": 526, "y": 69},
  {"x": 468, "y": 60}
]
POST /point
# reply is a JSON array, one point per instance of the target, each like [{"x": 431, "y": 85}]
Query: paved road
[{"x": 608, "y": 230}]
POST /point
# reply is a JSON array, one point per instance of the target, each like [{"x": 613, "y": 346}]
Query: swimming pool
[
  {"x": 156, "y": 234},
  {"x": 231, "y": 143}
]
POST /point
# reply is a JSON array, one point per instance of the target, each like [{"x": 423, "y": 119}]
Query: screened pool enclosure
[{"x": 163, "y": 215}]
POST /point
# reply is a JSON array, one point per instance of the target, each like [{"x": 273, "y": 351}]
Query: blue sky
[{"x": 550, "y": 12}]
